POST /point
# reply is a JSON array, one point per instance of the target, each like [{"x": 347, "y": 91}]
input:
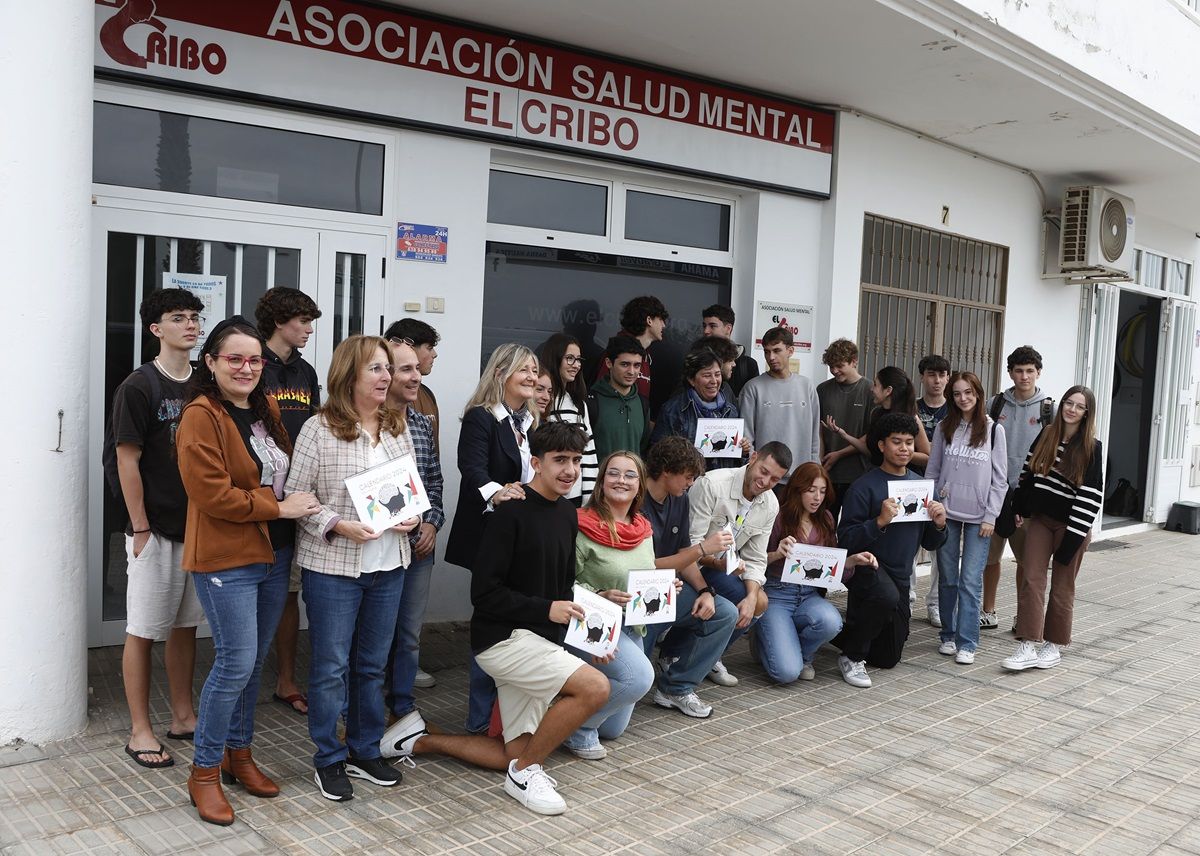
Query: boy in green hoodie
[{"x": 620, "y": 416}]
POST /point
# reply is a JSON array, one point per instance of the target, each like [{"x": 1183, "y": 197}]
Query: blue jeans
[
  {"x": 730, "y": 587},
  {"x": 695, "y": 642},
  {"x": 481, "y": 698},
  {"x": 797, "y": 622},
  {"x": 407, "y": 646},
  {"x": 243, "y": 606},
  {"x": 351, "y": 624},
  {"x": 630, "y": 677},
  {"x": 960, "y": 585}
]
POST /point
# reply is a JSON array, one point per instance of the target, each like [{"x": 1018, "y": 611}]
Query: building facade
[{"x": 888, "y": 171}]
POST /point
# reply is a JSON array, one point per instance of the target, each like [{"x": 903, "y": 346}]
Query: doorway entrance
[
  {"x": 137, "y": 251},
  {"x": 1132, "y": 416}
]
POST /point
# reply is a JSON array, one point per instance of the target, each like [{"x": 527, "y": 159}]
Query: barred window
[{"x": 929, "y": 292}]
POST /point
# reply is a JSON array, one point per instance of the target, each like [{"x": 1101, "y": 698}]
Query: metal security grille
[{"x": 926, "y": 292}]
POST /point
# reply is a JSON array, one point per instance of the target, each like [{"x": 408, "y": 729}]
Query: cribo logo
[{"x": 161, "y": 49}]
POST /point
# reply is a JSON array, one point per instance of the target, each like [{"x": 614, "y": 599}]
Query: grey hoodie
[
  {"x": 1022, "y": 424},
  {"x": 969, "y": 480}
]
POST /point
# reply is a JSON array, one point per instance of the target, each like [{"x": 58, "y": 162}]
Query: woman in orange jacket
[{"x": 233, "y": 459}]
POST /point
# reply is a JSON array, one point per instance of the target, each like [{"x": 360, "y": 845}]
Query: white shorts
[
  {"x": 529, "y": 672},
  {"x": 160, "y": 594}
]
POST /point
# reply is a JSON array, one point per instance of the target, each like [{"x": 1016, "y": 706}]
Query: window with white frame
[
  {"x": 567, "y": 250},
  {"x": 1162, "y": 273}
]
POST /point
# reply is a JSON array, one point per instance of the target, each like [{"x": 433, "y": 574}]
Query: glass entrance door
[{"x": 136, "y": 252}]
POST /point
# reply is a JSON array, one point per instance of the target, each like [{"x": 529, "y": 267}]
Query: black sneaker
[
  {"x": 333, "y": 782},
  {"x": 374, "y": 770}
]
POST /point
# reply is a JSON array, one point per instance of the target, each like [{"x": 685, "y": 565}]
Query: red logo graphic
[{"x": 161, "y": 48}]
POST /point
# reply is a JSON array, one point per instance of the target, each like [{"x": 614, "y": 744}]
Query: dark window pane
[
  {"x": 547, "y": 203},
  {"x": 133, "y": 147},
  {"x": 254, "y": 277},
  {"x": 671, "y": 220},
  {"x": 287, "y": 268},
  {"x": 531, "y": 292},
  {"x": 223, "y": 261}
]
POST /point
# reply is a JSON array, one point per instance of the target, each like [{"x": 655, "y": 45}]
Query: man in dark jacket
[{"x": 285, "y": 321}]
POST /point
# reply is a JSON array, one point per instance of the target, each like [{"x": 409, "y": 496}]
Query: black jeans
[{"x": 877, "y": 614}]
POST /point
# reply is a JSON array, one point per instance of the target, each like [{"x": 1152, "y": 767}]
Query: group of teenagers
[{"x": 233, "y": 471}]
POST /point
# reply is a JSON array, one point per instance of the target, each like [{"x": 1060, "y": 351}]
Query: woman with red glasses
[{"x": 234, "y": 459}]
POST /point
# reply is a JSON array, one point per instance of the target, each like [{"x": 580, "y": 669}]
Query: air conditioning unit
[{"x": 1096, "y": 236}]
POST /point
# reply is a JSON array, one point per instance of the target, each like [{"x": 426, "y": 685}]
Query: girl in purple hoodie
[{"x": 969, "y": 466}]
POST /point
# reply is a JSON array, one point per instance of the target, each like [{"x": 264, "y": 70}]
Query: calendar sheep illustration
[
  {"x": 653, "y": 597},
  {"x": 599, "y": 631},
  {"x": 821, "y": 567},
  {"x": 912, "y": 494},
  {"x": 386, "y": 494},
  {"x": 720, "y": 438}
]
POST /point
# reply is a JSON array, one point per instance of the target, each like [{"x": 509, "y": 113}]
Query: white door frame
[{"x": 319, "y": 249}]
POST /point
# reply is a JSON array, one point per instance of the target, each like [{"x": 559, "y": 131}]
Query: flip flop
[
  {"x": 291, "y": 700},
  {"x": 181, "y": 735},
  {"x": 138, "y": 757}
]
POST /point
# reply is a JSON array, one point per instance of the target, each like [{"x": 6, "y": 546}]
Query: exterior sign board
[{"x": 389, "y": 63}]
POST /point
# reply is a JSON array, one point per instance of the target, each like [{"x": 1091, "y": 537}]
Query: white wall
[
  {"x": 45, "y": 172},
  {"x": 443, "y": 181},
  {"x": 1144, "y": 49},
  {"x": 896, "y": 174}
]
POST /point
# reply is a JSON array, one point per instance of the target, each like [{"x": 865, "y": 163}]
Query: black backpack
[
  {"x": 108, "y": 457},
  {"x": 1044, "y": 418}
]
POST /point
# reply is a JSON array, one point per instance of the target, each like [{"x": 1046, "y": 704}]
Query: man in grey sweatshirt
[
  {"x": 781, "y": 406},
  {"x": 1023, "y": 409}
]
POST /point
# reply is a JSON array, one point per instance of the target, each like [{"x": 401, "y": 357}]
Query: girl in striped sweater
[
  {"x": 1058, "y": 497},
  {"x": 563, "y": 359}
]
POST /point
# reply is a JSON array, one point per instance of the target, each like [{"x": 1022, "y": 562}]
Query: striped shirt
[
  {"x": 564, "y": 409},
  {"x": 1057, "y": 498}
]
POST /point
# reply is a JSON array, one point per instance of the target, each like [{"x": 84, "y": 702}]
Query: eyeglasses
[
  {"x": 236, "y": 361},
  {"x": 572, "y": 360},
  {"x": 1073, "y": 407},
  {"x": 183, "y": 320},
  {"x": 628, "y": 475},
  {"x": 381, "y": 368},
  {"x": 400, "y": 340}
]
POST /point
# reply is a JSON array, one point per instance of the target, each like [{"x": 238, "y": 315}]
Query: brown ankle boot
[
  {"x": 204, "y": 786},
  {"x": 238, "y": 766}
]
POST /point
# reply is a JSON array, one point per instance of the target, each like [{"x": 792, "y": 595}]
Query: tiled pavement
[{"x": 1100, "y": 755}]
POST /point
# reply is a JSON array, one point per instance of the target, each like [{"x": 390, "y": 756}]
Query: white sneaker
[
  {"x": 424, "y": 680},
  {"x": 808, "y": 673},
  {"x": 988, "y": 621},
  {"x": 964, "y": 657},
  {"x": 721, "y": 677},
  {"x": 1048, "y": 656},
  {"x": 593, "y": 752},
  {"x": 948, "y": 648},
  {"x": 854, "y": 672},
  {"x": 533, "y": 789},
  {"x": 688, "y": 703},
  {"x": 1025, "y": 657},
  {"x": 912, "y": 595},
  {"x": 398, "y": 741},
  {"x": 935, "y": 616}
]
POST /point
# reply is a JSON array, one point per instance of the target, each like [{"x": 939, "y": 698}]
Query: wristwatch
[{"x": 707, "y": 590}]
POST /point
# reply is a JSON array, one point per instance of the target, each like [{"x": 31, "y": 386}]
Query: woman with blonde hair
[
  {"x": 353, "y": 577},
  {"x": 1059, "y": 495},
  {"x": 494, "y": 461},
  {"x": 614, "y": 539}
]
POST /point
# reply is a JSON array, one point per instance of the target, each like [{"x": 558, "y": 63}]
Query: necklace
[{"x": 159, "y": 366}]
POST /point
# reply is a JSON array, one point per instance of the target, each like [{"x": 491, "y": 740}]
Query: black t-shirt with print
[
  {"x": 259, "y": 443},
  {"x": 154, "y": 432}
]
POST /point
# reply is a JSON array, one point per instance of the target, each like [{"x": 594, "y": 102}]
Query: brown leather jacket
[{"x": 227, "y": 507}]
